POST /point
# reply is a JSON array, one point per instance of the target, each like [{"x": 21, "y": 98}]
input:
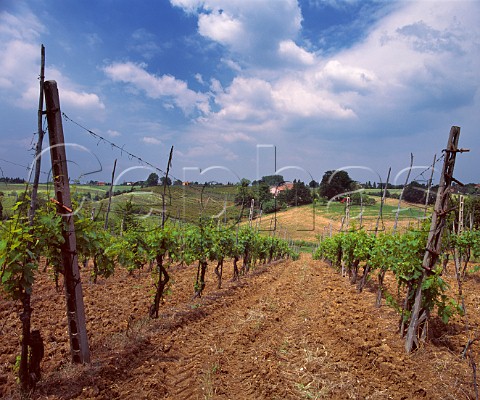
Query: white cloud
[
  {"x": 346, "y": 78},
  {"x": 254, "y": 100},
  {"x": 26, "y": 27},
  {"x": 199, "y": 79},
  {"x": 158, "y": 87},
  {"x": 18, "y": 62},
  {"x": 404, "y": 58},
  {"x": 151, "y": 140},
  {"x": 293, "y": 53},
  {"x": 252, "y": 29},
  {"x": 81, "y": 100},
  {"x": 299, "y": 99},
  {"x": 20, "y": 65},
  {"x": 234, "y": 66},
  {"x": 220, "y": 27},
  {"x": 189, "y": 6}
]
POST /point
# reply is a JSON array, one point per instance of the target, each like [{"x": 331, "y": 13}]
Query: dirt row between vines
[{"x": 292, "y": 330}]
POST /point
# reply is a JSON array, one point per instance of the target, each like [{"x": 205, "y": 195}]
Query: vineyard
[
  {"x": 288, "y": 329},
  {"x": 177, "y": 296},
  {"x": 199, "y": 305}
]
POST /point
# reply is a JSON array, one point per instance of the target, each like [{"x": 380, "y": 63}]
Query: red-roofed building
[{"x": 275, "y": 190}]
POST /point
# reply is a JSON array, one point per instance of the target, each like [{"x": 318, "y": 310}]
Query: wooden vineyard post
[
  {"x": 461, "y": 207},
  {"x": 110, "y": 194},
  {"x": 73, "y": 287},
  {"x": 38, "y": 147},
  {"x": 165, "y": 184},
  {"x": 347, "y": 213},
  {"x": 250, "y": 217},
  {"x": 434, "y": 240},
  {"x": 24, "y": 373}
]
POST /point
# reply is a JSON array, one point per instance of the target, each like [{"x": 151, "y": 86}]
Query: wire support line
[
  {"x": 114, "y": 145},
  {"x": 129, "y": 154},
  {"x": 28, "y": 168},
  {"x": 440, "y": 158}
]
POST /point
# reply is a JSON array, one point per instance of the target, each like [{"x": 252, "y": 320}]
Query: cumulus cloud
[
  {"x": 25, "y": 27},
  {"x": 289, "y": 50},
  {"x": 18, "y": 62},
  {"x": 346, "y": 78},
  {"x": 264, "y": 55},
  {"x": 81, "y": 100},
  {"x": 221, "y": 27},
  {"x": 252, "y": 29},
  {"x": 298, "y": 99},
  {"x": 158, "y": 87},
  {"x": 19, "y": 66},
  {"x": 402, "y": 63},
  {"x": 188, "y": 6},
  {"x": 409, "y": 54}
]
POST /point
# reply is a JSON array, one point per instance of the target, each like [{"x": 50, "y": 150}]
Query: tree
[
  {"x": 272, "y": 180},
  {"x": 152, "y": 179},
  {"x": 335, "y": 183},
  {"x": 127, "y": 211},
  {"x": 359, "y": 198},
  {"x": 271, "y": 206},
  {"x": 244, "y": 182},
  {"x": 244, "y": 193},
  {"x": 162, "y": 181},
  {"x": 262, "y": 192},
  {"x": 313, "y": 184},
  {"x": 299, "y": 194},
  {"x": 415, "y": 192}
]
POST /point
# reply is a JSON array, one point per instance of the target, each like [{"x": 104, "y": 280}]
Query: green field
[
  {"x": 189, "y": 203},
  {"x": 336, "y": 209}
]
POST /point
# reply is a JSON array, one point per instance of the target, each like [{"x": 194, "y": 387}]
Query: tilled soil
[{"x": 289, "y": 330}]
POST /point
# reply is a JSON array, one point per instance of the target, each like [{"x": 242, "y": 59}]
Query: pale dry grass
[{"x": 300, "y": 223}]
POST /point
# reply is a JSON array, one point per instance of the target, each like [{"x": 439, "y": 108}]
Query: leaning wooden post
[
  {"x": 73, "y": 286},
  {"x": 110, "y": 194},
  {"x": 434, "y": 240},
  {"x": 165, "y": 184},
  {"x": 25, "y": 317},
  {"x": 461, "y": 207},
  {"x": 347, "y": 213},
  {"x": 38, "y": 146}
]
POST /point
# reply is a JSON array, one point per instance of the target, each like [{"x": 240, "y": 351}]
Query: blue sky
[{"x": 331, "y": 84}]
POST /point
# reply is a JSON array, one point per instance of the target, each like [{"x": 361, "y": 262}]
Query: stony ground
[{"x": 291, "y": 330}]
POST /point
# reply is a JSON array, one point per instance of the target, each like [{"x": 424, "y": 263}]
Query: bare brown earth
[{"x": 291, "y": 330}]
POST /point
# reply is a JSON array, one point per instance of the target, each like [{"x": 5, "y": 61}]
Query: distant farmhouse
[{"x": 275, "y": 190}]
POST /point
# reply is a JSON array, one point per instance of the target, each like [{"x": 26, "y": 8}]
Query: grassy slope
[{"x": 190, "y": 203}]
